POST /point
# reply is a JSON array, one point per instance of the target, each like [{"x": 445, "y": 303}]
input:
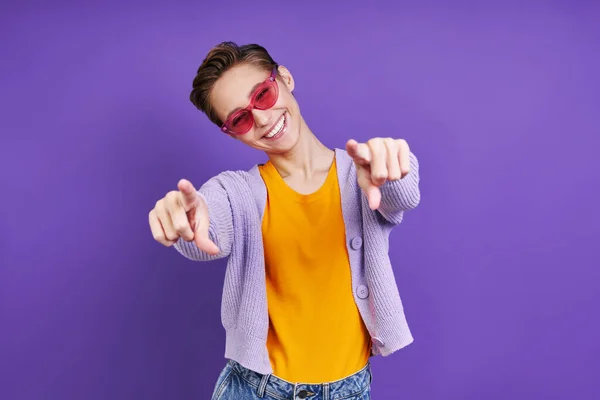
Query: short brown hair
[{"x": 218, "y": 60}]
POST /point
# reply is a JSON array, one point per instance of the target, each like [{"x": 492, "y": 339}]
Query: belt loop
[
  {"x": 326, "y": 391},
  {"x": 262, "y": 386}
]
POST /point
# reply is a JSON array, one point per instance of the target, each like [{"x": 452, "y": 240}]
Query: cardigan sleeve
[
  {"x": 401, "y": 195},
  {"x": 220, "y": 229}
]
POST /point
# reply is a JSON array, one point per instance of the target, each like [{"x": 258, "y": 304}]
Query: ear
[{"x": 286, "y": 77}]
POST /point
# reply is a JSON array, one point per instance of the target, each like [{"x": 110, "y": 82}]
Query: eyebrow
[{"x": 249, "y": 96}]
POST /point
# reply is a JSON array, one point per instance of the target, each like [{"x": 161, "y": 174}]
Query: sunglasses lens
[
  {"x": 266, "y": 96},
  {"x": 240, "y": 123}
]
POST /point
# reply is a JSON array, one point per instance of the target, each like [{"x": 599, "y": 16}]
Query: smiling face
[{"x": 273, "y": 130}]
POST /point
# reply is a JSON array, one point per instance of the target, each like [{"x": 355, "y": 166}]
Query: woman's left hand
[{"x": 377, "y": 161}]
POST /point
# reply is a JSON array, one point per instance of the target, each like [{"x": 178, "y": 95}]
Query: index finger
[{"x": 190, "y": 196}]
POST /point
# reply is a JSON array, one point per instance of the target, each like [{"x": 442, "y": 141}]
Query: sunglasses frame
[{"x": 269, "y": 82}]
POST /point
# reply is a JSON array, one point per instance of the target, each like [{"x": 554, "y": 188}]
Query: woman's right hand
[{"x": 182, "y": 214}]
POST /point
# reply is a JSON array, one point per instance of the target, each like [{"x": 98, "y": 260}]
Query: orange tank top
[{"x": 316, "y": 333}]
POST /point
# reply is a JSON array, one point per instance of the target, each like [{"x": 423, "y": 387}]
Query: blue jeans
[{"x": 238, "y": 383}]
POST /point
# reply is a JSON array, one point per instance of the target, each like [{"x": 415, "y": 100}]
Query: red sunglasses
[{"x": 263, "y": 98}]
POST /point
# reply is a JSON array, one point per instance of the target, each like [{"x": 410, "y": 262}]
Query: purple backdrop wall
[{"x": 498, "y": 268}]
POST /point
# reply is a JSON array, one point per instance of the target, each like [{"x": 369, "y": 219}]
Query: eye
[
  {"x": 261, "y": 94},
  {"x": 238, "y": 118}
]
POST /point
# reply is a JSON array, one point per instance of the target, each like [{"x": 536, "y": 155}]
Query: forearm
[{"x": 401, "y": 195}]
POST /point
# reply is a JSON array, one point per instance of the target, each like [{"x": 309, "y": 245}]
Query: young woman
[{"x": 309, "y": 293}]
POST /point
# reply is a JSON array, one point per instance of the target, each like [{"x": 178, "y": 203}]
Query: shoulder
[
  {"x": 342, "y": 157},
  {"x": 239, "y": 181},
  {"x": 234, "y": 177}
]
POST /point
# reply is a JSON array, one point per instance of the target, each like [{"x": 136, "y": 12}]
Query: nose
[{"x": 262, "y": 118}]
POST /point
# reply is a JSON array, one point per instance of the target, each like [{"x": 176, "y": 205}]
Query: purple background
[{"x": 498, "y": 268}]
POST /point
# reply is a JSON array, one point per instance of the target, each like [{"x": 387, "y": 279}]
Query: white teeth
[{"x": 277, "y": 128}]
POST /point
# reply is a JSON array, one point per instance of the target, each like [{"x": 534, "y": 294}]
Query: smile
[{"x": 278, "y": 129}]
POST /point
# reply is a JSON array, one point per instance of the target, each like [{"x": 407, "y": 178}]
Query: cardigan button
[
  {"x": 356, "y": 243},
  {"x": 362, "y": 292},
  {"x": 378, "y": 342}
]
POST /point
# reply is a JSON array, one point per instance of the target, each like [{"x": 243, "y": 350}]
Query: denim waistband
[{"x": 276, "y": 387}]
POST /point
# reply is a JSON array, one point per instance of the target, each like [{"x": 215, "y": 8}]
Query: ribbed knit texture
[{"x": 236, "y": 201}]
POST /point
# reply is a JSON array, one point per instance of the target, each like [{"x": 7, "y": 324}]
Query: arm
[
  {"x": 220, "y": 229},
  {"x": 401, "y": 195}
]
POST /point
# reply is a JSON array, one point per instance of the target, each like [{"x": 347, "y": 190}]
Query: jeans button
[{"x": 302, "y": 394}]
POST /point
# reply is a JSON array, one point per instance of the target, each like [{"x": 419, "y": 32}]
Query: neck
[{"x": 306, "y": 158}]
